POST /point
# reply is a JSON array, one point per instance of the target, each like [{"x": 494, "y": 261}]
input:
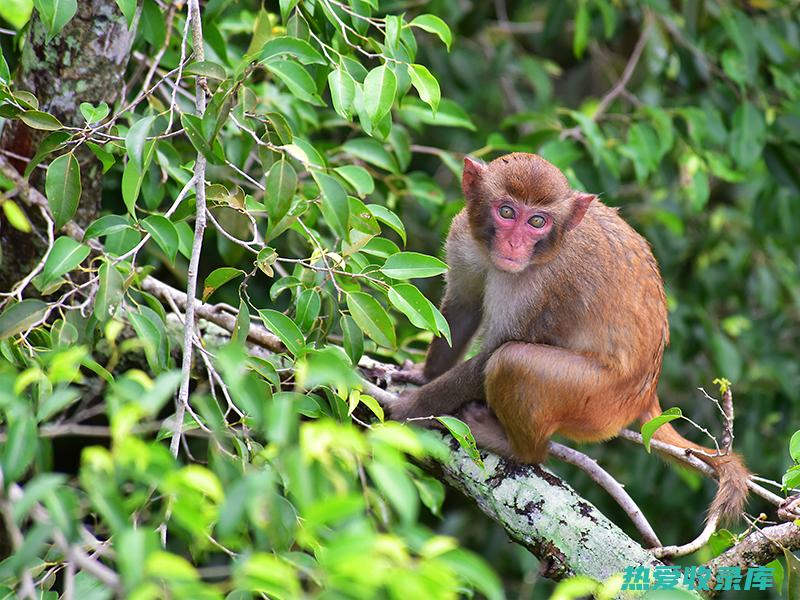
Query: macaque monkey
[{"x": 570, "y": 307}]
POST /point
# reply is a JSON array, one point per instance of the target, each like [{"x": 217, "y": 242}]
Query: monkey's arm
[
  {"x": 463, "y": 315},
  {"x": 463, "y": 300},
  {"x": 446, "y": 394}
]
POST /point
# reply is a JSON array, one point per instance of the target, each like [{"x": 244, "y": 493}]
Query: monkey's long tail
[{"x": 730, "y": 469}]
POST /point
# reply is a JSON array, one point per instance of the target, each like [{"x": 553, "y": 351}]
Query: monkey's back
[{"x": 607, "y": 281}]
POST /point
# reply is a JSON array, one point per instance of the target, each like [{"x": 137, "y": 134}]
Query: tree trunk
[{"x": 85, "y": 62}]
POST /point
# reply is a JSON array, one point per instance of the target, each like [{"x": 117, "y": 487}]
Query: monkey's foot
[
  {"x": 486, "y": 429},
  {"x": 789, "y": 510}
]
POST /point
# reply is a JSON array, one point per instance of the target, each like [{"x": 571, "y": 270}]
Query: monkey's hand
[
  {"x": 411, "y": 373},
  {"x": 409, "y": 405}
]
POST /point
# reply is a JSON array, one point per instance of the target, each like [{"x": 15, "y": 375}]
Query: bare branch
[
  {"x": 602, "y": 478},
  {"x": 197, "y": 245}
]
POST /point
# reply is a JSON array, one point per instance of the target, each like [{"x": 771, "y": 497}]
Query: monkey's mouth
[{"x": 508, "y": 263}]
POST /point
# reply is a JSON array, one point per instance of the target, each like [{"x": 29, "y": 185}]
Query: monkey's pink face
[{"x": 517, "y": 230}]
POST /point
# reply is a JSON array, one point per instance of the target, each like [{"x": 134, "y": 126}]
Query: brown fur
[{"x": 573, "y": 344}]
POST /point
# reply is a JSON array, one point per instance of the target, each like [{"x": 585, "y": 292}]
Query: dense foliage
[{"x": 331, "y": 143}]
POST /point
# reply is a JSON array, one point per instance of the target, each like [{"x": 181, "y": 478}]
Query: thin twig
[
  {"x": 690, "y": 547},
  {"x": 620, "y": 86},
  {"x": 697, "y": 464},
  {"x": 614, "y": 488},
  {"x": 197, "y": 245}
]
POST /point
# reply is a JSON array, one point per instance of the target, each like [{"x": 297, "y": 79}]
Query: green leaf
[
  {"x": 281, "y": 186},
  {"x": 17, "y": 13},
  {"x": 16, "y": 216},
  {"x": 431, "y": 492},
  {"x": 748, "y": 135},
  {"x": 409, "y": 300},
  {"x": 334, "y": 206},
  {"x": 265, "y": 259},
  {"x": 328, "y": 366},
  {"x": 105, "y": 225},
  {"x": 649, "y": 428},
  {"x": 56, "y": 402},
  {"x": 362, "y": 220},
  {"x": 792, "y": 575},
  {"x": 54, "y": 141},
  {"x": 206, "y": 68},
  {"x": 65, "y": 256},
  {"x": 296, "y": 79},
  {"x": 55, "y": 14},
  {"x": 461, "y": 432},
  {"x": 394, "y": 24},
  {"x": 791, "y": 479},
  {"x": 35, "y": 490},
  {"x": 128, "y": 8},
  {"x": 372, "y": 318},
  {"x": 136, "y": 140},
  {"x": 410, "y": 265},
  {"x": 5, "y": 73},
  {"x": 442, "y": 325},
  {"x": 398, "y": 488},
  {"x": 387, "y": 217},
  {"x": 92, "y": 114},
  {"x": 433, "y": 24},
  {"x": 343, "y": 92},
  {"x": 307, "y": 308},
  {"x": 370, "y": 403},
  {"x": 287, "y": 6},
  {"x": 219, "y": 277},
  {"x": 109, "y": 291},
  {"x": 89, "y": 588},
  {"x": 474, "y": 569},
  {"x": 581, "y": 37},
  {"x": 63, "y": 188},
  {"x": 794, "y": 447},
  {"x": 372, "y": 152},
  {"x": 426, "y": 85},
  {"x": 20, "y": 316},
  {"x": 353, "y": 338},
  {"x": 19, "y": 448},
  {"x": 193, "y": 125},
  {"x": 295, "y": 47},
  {"x": 164, "y": 233},
  {"x": 149, "y": 328},
  {"x": 449, "y": 114},
  {"x": 380, "y": 87},
  {"x": 358, "y": 178},
  {"x": 132, "y": 179},
  {"x": 105, "y": 157},
  {"x": 267, "y": 574},
  {"x": 286, "y": 329},
  {"x": 37, "y": 119},
  {"x": 279, "y": 124}
]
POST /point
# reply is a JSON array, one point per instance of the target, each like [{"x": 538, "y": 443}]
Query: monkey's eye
[
  {"x": 506, "y": 212},
  {"x": 537, "y": 221}
]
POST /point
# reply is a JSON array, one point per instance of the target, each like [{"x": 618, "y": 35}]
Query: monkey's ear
[
  {"x": 580, "y": 205},
  {"x": 473, "y": 171}
]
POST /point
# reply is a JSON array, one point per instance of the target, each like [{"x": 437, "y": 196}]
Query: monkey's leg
[{"x": 537, "y": 390}]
